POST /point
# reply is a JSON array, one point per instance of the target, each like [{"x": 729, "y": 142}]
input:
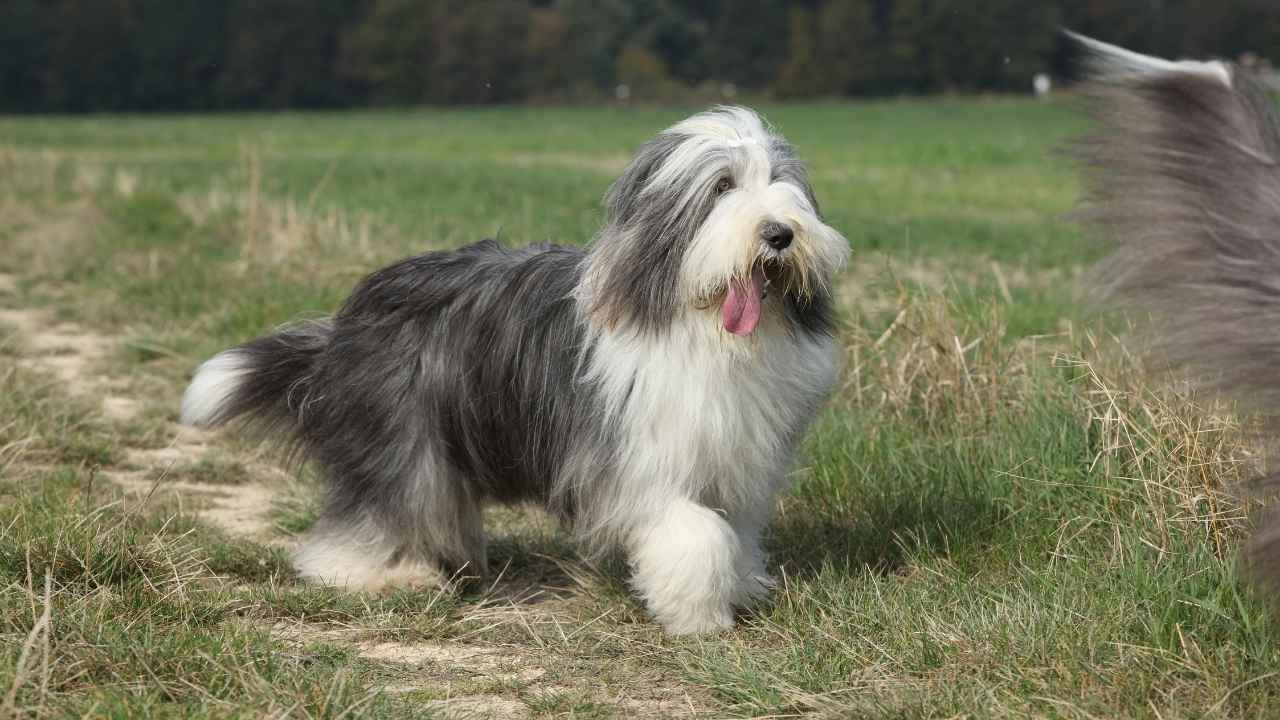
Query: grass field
[{"x": 997, "y": 515}]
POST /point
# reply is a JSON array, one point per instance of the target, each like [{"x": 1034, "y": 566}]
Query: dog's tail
[
  {"x": 266, "y": 380},
  {"x": 1182, "y": 176}
]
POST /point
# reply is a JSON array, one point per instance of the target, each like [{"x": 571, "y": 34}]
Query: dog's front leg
[
  {"x": 685, "y": 560},
  {"x": 754, "y": 581}
]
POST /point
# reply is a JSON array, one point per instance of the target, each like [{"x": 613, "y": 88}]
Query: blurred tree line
[{"x": 87, "y": 55}]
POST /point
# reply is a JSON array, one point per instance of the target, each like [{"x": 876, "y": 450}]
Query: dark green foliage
[
  {"x": 450, "y": 51},
  {"x": 281, "y": 53},
  {"x": 110, "y": 55}
]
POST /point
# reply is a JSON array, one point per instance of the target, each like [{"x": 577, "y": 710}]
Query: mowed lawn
[{"x": 999, "y": 514}]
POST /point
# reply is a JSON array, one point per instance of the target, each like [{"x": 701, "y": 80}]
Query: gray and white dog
[
  {"x": 649, "y": 390},
  {"x": 1182, "y": 175}
]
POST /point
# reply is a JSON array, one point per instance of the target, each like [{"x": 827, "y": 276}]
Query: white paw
[
  {"x": 698, "y": 621},
  {"x": 686, "y": 569}
]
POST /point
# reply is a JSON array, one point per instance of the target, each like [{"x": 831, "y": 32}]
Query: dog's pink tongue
[{"x": 741, "y": 312}]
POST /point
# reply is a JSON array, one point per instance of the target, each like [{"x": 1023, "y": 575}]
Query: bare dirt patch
[
  {"x": 61, "y": 348},
  {"x": 75, "y": 355},
  {"x": 481, "y": 707},
  {"x": 120, "y": 408},
  {"x": 535, "y": 675},
  {"x": 241, "y": 509}
]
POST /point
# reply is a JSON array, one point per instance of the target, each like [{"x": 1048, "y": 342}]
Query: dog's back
[{"x": 479, "y": 343}]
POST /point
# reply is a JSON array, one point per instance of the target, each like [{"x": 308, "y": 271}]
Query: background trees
[{"x": 87, "y": 55}]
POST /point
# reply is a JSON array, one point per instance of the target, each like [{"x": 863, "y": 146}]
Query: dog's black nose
[{"x": 778, "y": 236}]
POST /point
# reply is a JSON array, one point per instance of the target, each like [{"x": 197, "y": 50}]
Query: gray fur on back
[{"x": 1181, "y": 176}]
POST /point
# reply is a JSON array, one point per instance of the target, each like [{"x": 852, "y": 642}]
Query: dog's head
[{"x": 713, "y": 216}]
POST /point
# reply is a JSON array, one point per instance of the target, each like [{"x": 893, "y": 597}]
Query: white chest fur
[{"x": 708, "y": 416}]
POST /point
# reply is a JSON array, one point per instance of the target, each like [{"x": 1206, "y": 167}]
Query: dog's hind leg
[
  {"x": 359, "y": 553},
  {"x": 685, "y": 563},
  {"x": 431, "y": 532},
  {"x": 446, "y": 527}
]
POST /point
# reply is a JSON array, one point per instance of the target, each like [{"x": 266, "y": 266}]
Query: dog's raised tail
[
  {"x": 1182, "y": 177},
  {"x": 265, "y": 380}
]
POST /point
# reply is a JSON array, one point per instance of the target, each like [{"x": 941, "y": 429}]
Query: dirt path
[{"x": 77, "y": 357}]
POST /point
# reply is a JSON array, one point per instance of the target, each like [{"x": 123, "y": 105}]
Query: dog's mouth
[
  {"x": 742, "y": 303},
  {"x": 744, "y": 297}
]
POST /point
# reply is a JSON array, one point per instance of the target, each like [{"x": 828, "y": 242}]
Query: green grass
[{"x": 996, "y": 516}]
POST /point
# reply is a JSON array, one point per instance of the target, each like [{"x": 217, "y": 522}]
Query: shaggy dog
[
  {"x": 649, "y": 390},
  {"x": 1183, "y": 176}
]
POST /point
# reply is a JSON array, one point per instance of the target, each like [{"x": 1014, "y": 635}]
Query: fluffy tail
[
  {"x": 1182, "y": 175},
  {"x": 265, "y": 380}
]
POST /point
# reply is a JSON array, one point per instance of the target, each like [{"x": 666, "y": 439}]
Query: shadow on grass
[
  {"x": 532, "y": 560},
  {"x": 885, "y": 534}
]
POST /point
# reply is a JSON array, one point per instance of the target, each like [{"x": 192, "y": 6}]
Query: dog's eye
[{"x": 724, "y": 185}]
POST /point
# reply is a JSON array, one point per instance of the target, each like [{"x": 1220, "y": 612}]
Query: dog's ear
[
  {"x": 633, "y": 279},
  {"x": 633, "y": 274},
  {"x": 786, "y": 166},
  {"x": 622, "y": 201}
]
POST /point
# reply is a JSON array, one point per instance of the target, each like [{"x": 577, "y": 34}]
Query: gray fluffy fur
[{"x": 1182, "y": 174}]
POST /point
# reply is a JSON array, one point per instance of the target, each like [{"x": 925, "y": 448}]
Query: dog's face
[{"x": 714, "y": 215}]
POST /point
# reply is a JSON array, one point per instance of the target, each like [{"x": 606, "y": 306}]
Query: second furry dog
[{"x": 1182, "y": 172}]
